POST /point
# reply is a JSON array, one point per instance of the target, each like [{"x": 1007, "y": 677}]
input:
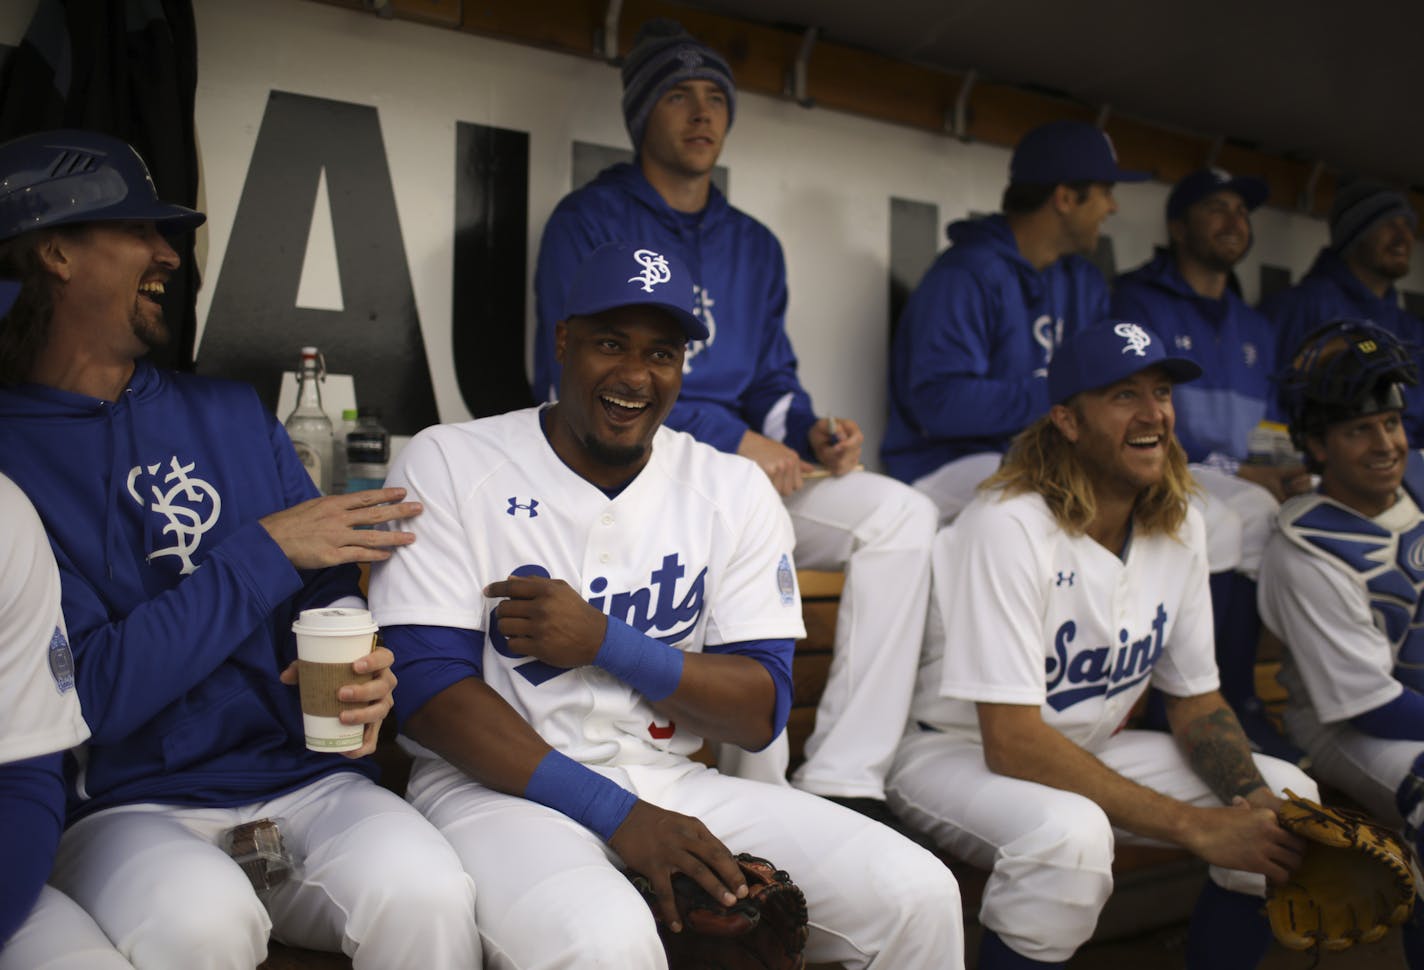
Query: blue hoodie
[
  {"x": 1234, "y": 345},
  {"x": 1331, "y": 291},
  {"x": 744, "y": 375},
  {"x": 969, "y": 364},
  {"x": 179, "y": 604}
]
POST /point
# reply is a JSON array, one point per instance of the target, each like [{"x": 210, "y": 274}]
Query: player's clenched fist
[
  {"x": 547, "y": 619},
  {"x": 657, "y": 843}
]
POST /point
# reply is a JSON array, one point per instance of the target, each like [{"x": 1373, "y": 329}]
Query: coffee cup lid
[{"x": 334, "y": 620}]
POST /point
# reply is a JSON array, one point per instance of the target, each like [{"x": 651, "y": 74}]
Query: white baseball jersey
[
  {"x": 1342, "y": 591},
  {"x": 695, "y": 550},
  {"x": 39, "y": 709},
  {"x": 1033, "y": 615}
]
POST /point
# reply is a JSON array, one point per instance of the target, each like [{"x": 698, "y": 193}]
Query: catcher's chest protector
[{"x": 1388, "y": 564}]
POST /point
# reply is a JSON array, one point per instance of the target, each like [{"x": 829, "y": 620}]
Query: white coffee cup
[{"x": 329, "y": 641}]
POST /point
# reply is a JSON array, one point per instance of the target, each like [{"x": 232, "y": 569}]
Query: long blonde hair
[{"x": 1041, "y": 460}]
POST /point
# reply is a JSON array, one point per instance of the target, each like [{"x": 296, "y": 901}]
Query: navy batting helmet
[
  {"x": 57, "y": 178},
  {"x": 1345, "y": 369}
]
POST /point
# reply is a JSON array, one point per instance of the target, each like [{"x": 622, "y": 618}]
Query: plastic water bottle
[
  {"x": 338, "y": 450},
  {"x": 308, "y": 426},
  {"x": 368, "y": 452}
]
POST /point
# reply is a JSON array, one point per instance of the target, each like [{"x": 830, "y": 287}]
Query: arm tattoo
[{"x": 1219, "y": 752}]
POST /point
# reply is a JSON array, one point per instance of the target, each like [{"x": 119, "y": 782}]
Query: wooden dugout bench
[{"x": 1154, "y": 887}]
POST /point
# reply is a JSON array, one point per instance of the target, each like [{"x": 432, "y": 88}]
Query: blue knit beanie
[
  {"x": 1362, "y": 205},
  {"x": 663, "y": 55}
]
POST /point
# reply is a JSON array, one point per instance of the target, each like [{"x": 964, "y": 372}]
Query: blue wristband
[
  {"x": 649, "y": 666},
  {"x": 581, "y": 793}
]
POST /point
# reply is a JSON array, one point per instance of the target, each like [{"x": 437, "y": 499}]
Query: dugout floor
[{"x": 1164, "y": 950}]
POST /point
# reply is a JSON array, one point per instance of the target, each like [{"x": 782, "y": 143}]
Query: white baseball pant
[
  {"x": 551, "y": 893},
  {"x": 58, "y": 935},
  {"x": 1049, "y": 851},
  {"x": 375, "y": 881}
]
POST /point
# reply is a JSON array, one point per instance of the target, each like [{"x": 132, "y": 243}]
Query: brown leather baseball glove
[
  {"x": 765, "y": 931},
  {"x": 1355, "y": 881}
]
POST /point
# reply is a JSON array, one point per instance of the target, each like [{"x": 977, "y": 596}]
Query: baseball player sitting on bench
[
  {"x": 39, "y": 719},
  {"x": 741, "y": 394},
  {"x": 1076, "y": 578},
  {"x": 188, "y": 536},
  {"x": 589, "y": 596},
  {"x": 971, "y": 351},
  {"x": 1341, "y": 578},
  {"x": 1183, "y": 295}
]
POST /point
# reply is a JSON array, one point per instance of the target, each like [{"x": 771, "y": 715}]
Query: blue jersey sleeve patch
[
  {"x": 785, "y": 582},
  {"x": 61, "y": 662}
]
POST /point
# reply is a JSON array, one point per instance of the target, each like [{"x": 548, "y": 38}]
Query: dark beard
[
  {"x": 152, "y": 334},
  {"x": 614, "y": 456}
]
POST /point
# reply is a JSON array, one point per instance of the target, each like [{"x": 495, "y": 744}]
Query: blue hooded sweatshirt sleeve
[
  {"x": 1234, "y": 345},
  {"x": 744, "y": 375},
  {"x": 1331, "y": 291},
  {"x": 969, "y": 363},
  {"x": 179, "y": 604}
]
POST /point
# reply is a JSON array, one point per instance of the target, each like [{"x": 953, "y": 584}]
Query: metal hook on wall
[{"x": 796, "y": 80}]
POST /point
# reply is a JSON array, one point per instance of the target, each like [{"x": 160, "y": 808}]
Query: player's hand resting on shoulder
[
  {"x": 375, "y": 693},
  {"x": 548, "y": 619},
  {"x": 1247, "y": 837},
  {"x": 1282, "y": 481},
  {"x": 782, "y": 464},
  {"x": 323, "y": 531},
  {"x": 841, "y": 455},
  {"x": 657, "y": 843}
]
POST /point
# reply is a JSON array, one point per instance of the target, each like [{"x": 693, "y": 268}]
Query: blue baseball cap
[
  {"x": 1068, "y": 151},
  {"x": 619, "y": 274},
  {"x": 1203, "y": 182},
  {"x": 1107, "y": 352},
  {"x": 9, "y": 290},
  {"x": 71, "y": 176}
]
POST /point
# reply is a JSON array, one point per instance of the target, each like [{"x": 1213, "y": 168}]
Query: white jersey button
[
  {"x": 604, "y": 557},
  {"x": 607, "y": 518}
]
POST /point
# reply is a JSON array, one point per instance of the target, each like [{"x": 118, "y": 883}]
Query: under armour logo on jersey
[
  {"x": 1137, "y": 339},
  {"x": 655, "y": 269},
  {"x": 1064, "y": 579},
  {"x": 515, "y": 507},
  {"x": 1184, "y": 341},
  {"x": 187, "y": 523},
  {"x": 1249, "y": 354}
]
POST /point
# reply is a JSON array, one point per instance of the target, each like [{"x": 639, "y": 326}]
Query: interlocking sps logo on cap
[
  {"x": 1138, "y": 340},
  {"x": 655, "y": 269}
]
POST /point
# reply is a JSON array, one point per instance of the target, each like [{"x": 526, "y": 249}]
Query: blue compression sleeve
[
  {"x": 32, "y": 804},
  {"x": 580, "y": 793},
  {"x": 775, "y": 656},
  {"x": 429, "y": 659},
  {"x": 1401, "y": 719}
]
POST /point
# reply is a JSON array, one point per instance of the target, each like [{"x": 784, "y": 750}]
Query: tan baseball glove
[{"x": 1355, "y": 881}]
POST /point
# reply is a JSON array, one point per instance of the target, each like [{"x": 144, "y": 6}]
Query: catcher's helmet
[
  {"x": 56, "y": 178},
  {"x": 1345, "y": 369}
]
